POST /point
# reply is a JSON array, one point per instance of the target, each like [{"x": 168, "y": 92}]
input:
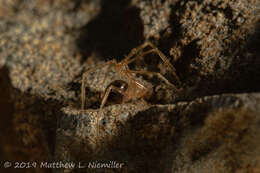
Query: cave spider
[{"x": 130, "y": 89}]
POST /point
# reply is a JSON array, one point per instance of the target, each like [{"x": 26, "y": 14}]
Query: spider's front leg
[
  {"x": 83, "y": 81},
  {"x": 107, "y": 92},
  {"x": 110, "y": 89}
]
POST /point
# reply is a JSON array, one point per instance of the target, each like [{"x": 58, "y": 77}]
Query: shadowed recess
[
  {"x": 7, "y": 109},
  {"x": 114, "y": 32},
  {"x": 27, "y": 120},
  {"x": 189, "y": 53}
]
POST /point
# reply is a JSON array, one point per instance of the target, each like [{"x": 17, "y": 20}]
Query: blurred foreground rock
[{"x": 218, "y": 133}]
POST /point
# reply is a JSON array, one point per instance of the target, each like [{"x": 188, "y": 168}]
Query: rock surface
[
  {"x": 214, "y": 133},
  {"x": 45, "y": 46}
]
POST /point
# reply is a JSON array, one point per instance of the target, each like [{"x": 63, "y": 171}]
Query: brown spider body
[
  {"x": 137, "y": 91},
  {"x": 129, "y": 91}
]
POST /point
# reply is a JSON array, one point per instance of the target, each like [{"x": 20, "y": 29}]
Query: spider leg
[
  {"x": 107, "y": 92},
  {"x": 104, "y": 100},
  {"x": 156, "y": 74},
  {"x": 163, "y": 57},
  {"x": 139, "y": 56},
  {"x": 154, "y": 49},
  {"x": 134, "y": 51},
  {"x": 83, "y": 81}
]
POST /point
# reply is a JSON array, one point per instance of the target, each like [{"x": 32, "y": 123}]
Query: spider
[{"x": 130, "y": 89}]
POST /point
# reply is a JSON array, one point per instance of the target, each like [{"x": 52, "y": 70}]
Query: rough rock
[
  {"x": 45, "y": 46},
  {"x": 214, "y": 133}
]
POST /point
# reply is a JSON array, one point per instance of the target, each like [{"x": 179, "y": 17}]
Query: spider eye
[{"x": 123, "y": 87}]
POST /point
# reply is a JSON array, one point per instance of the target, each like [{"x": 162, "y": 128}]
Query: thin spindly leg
[
  {"x": 139, "y": 56},
  {"x": 134, "y": 51},
  {"x": 113, "y": 61},
  {"x": 104, "y": 100},
  {"x": 156, "y": 74},
  {"x": 107, "y": 92},
  {"x": 164, "y": 58},
  {"x": 154, "y": 49}
]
